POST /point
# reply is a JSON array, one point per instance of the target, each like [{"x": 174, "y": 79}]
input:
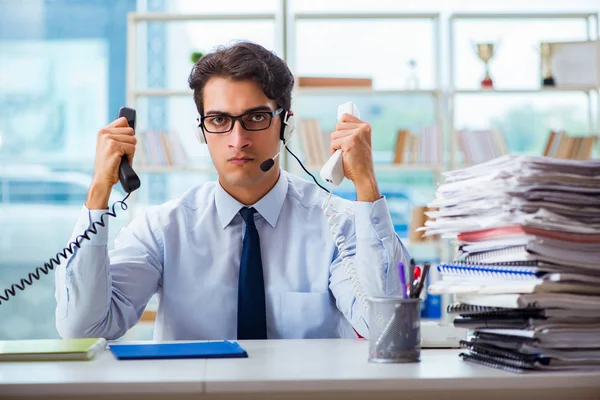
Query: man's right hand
[{"x": 114, "y": 141}]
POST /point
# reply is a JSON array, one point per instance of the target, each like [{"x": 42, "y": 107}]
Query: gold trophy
[
  {"x": 485, "y": 52},
  {"x": 546, "y": 59}
]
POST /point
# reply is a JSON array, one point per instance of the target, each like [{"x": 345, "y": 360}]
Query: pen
[
  {"x": 421, "y": 282},
  {"x": 402, "y": 280},
  {"x": 411, "y": 277}
]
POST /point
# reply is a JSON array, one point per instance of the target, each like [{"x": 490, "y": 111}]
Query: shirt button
[{"x": 375, "y": 220}]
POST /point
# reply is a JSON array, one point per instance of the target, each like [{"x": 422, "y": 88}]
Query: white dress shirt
[{"x": 188, "y": 252}]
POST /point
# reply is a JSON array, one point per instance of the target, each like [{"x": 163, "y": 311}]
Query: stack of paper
[{"x": 526, "y": 277}]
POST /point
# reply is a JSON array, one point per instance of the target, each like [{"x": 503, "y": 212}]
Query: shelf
[
  {"x": 406, "y": 167},
  {"x": 163, "y": 93},
  {"x": 521, "y": 91},
  {"x": 161, "y": 169},
  {"x": 393, "y": 167},
  {"x": 524, "y": 15},
  {"x": 165, "y": 17},
  {"x": 345, "y": 90},
  {"x": 329, "y": 16},
  {"x": 361, "y": 90}
]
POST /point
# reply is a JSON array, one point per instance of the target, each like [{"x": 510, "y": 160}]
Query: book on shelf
[
  {"x": 158, "y": 148},
  {"x": 330, "y": 81},
  {"x": 422, "y": 148},
  {"x": 314, "y": 143},
  {"x": 562, "y": 145},
  {"x": 479, "y": 146}
]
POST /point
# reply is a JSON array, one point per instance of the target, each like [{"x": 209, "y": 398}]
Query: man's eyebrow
[{"x": 253, "y": 109}]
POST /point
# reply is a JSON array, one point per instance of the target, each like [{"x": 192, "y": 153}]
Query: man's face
[{"x": 237, "y": 154}]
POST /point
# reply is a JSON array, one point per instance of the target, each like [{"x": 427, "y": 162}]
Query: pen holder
[{"x": 394, "y": 329}]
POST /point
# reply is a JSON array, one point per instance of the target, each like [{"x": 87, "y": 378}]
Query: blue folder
[{"x": 224, "y": 349}]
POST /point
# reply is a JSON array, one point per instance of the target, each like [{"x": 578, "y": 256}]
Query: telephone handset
[
  {"x": 333, "y": 173},
  {"x": 333, "y": 169},
  {"x": 127, "y": 176},
  {"x": 130, "y": 182}
]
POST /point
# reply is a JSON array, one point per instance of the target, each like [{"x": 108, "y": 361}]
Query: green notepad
[{"x": 50, "y": 349}]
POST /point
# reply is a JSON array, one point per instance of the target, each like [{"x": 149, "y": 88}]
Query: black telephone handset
[
  {"x": 127, "y": 176},
  {"x": 130, "y": 182}
]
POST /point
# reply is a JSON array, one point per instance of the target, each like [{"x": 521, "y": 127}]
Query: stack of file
[{"x": 526, "y": 277}]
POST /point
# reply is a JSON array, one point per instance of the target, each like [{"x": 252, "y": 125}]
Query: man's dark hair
[{"x": 241, "y": 61}]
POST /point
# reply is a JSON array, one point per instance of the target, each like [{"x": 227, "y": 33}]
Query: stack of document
[{"x": 526, "y": 277}]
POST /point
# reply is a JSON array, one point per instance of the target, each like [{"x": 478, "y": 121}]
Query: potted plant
[{"x": 196, "y": 55}]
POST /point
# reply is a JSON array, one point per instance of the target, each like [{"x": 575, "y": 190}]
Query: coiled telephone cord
[{"x": 65, "y": 253}]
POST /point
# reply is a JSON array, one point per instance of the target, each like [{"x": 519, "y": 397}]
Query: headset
[{"x": 288, "y": 127}]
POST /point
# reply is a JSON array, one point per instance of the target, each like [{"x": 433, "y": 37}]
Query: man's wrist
[
  {"x": 98, "y": 196},
  {"x": 367, "y": 189}
]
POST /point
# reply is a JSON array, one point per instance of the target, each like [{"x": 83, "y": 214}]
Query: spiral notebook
[
  {"x": 476, "y": 311},
  {"x": 467, "y": 286},
  {"x": 468, "y": 310},
  {"x": 491, "y": 323},
  {"x": 556, "y": 337},
  {"x": 515, "y": 361},
  {"x": 525, "y": 323},
  {"x": 514, "y": 271},
  {"x": 538, "y": 300},
  {"x": 464, "y": 277},
  {"x": 530, "y": 346},
  {"x": 535, "y": 251},
  {"x": 552, "y": 339}
]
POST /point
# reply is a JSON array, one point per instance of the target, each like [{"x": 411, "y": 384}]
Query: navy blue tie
[{"x": 252, "y": 318}]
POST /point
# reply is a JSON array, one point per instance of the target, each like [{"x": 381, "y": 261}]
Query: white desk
[{"x": 289, "y": 369}]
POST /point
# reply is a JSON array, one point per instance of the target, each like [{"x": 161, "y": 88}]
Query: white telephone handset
[
  {"x": 333, "y": 173},
  {"x": 333, "y": 169}
]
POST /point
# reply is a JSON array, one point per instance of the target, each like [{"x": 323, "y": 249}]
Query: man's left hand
[{"x": 353, "y": 136}]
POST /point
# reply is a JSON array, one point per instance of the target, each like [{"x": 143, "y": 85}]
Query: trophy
[
  {"x": 546, "y": 58},
  {"x": 485, "y": 52}
]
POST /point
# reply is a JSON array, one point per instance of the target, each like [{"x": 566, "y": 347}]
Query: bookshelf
[
  {"x": 331, "y": 96},
  {"x": 584, "y": 89},
  {"x": 592, "y": 28},
  {"x": 134, "y": 93},
  {"x": 435, "y": 92},
  {"x": 286, "y": 21},
  {"x": 301, "y": 91},
  {"x": 443, "y": 93},
  {"x": 286, "y": 46}
]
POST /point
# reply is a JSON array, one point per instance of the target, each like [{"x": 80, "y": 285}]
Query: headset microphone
[{"x": 268, "y": 164}]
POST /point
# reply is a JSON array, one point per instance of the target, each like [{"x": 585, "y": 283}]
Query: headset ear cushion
[
  {"x": 290, "y": 128},
  {"x": 199, "y": 131}
]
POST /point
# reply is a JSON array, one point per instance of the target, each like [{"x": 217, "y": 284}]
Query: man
[{"x": 250, "y": 256}]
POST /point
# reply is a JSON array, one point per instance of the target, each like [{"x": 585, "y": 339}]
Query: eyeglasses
[{"x": 250, "y": 121}]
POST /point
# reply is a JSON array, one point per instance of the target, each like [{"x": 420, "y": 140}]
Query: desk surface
[{"x": 291, "y": 366}]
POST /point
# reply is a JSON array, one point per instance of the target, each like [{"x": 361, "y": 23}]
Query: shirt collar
[{"x": 269, "y": 206}]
